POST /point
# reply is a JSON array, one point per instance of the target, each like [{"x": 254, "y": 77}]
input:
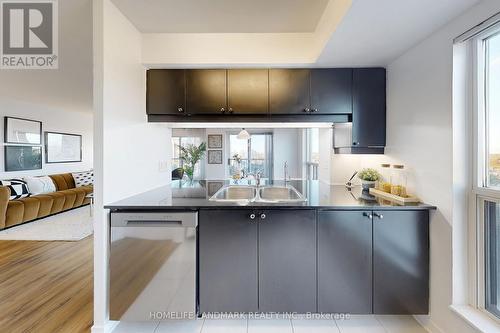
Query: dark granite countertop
[{"x": 182, "y": 195}]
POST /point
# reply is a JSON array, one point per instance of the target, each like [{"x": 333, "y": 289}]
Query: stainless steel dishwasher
[{"x": 152, "y": 265}]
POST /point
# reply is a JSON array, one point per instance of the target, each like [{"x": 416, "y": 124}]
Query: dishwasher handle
[
  {"x": 154, "y": 219},
  {"x": 153, "y": 223}
]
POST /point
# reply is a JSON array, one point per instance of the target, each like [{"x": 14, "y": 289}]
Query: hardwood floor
[{"x": 46, "y": 286}]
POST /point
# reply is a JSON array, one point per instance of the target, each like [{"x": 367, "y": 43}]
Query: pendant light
[{"x": 243, "y": 135}]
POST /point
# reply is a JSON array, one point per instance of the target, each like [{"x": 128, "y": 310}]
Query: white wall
[
  {"x": 132, "y": 149},
  {"x": 217, "y": 171},
  {"x": 66, "y": 121},
  {"x": 419, "y": 127},
  {"x": 61, "y": 98},
  {"x": 325, "y": 149}
]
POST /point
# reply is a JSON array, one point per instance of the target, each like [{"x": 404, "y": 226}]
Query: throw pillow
[
  {"x": 39, "y": 185},
  {"x": 18, "y": 188},
  {"x": 83, "y": 178}
]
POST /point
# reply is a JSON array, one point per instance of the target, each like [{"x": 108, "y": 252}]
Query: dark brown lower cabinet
[
  {"x": 303, "y": 260},
  {"x": 227, "y": 261},
  {"x": 281, "y": 278},
  {"x": 401, "y": 262},
  {"x": 345, "y": 262},
  {"x": 287, "y": 261}
]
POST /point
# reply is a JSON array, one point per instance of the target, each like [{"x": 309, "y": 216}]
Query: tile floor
[{"x": 355, "y": 324}]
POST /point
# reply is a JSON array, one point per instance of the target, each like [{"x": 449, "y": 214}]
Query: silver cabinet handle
[
  {"x": 263, "y": 216},
  {"x": 222, "y": 110},
  {"x": 380, "y": 216},
  {"x": 314, "y": 110},
  {"x": 230, "y": 110},
  {"x": 180, "y": 109},
  {"x": 368, "y": 215},
  {"x": 252, "y": 216},
  {"x": 307, "y": 110}
]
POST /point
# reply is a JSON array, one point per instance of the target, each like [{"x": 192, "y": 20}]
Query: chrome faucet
[
  {"x": 285, "y": 171},
  {"x": 257, "y": 177}
]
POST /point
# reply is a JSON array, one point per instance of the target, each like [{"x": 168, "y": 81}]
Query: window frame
[
  {"x": 178, "y": 139},
  {"x": 480, "y": 193},
  {"x": 249, "y": 158}
]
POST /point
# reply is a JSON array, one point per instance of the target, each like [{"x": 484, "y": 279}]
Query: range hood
[{"x": 344, "y": 143}]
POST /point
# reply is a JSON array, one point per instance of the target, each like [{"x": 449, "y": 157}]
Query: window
[
  {"x": 486, "y": 183},
  {"x": 183, "y": 141},
  {"x": 252, "y": 156},
  {"x": 492, "y": 253},
  {"x": 492, "y": 116}
]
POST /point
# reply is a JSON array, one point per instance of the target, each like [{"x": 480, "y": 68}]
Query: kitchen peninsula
[{"x": 337, "y": 251}]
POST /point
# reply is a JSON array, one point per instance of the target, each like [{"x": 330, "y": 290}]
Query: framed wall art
[
  {"x": 215, "y": 141},
  {"x": 22, "y": 131},
  {"x": 215, "y": 157},
  {"x": 20, "y": 158},
  {"x": 62, "y": 147}
]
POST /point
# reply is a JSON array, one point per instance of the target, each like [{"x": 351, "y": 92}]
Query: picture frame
[
  {"x": 215, "y": 141},
  {"x": 22, "y": 131},
  {"x": 63, "y": 147},
  {"x": 21, "y": 158},
  {"x": 215, "y": 157}
]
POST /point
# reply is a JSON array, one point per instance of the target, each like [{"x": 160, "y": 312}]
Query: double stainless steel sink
[{"x": 266, "y": 194}]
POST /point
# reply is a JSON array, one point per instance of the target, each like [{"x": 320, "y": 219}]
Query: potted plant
[
  {"x": 368, "y": 177},
  {"x": 191, "y": 155}
]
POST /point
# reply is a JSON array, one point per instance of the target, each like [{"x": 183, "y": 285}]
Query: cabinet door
[
  {"x": 369, "y": 104},
  {"x": 345, "y": 262},
  {"x": 248, "y": 91},
  {"x": 287, "y": 261},
  {"x": 289, "y": 91},
  {"x": 401, "y": 262},
  {"x": 331, "y": 91},
  {"x": 227, "y": 261},
  {"x": 166, "y": 91},
  {"x": 206, "y": 91}
]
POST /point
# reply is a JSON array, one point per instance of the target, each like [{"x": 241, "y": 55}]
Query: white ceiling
[
  {"x": 223, "y": 16},
  {"x": 375, "y": 32}
]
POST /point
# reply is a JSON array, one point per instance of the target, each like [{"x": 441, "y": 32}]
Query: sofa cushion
[
  {"x": 83, "y": 178},
  {"x": 80, "y": 196},
  {"x": 88, "y": 189},
  {"x": 15, "y": 212},
  {"x": 4, "y": 202},
  {"x": 70, "y": 198},
  {"x": 63, "y": 181},
  {"x": 40, "y": 185},
  {"x": 31, "y": 207},
  {"x": 18, "y": 188},
  {"x": 58, "y": 203},
  {"x": 46, "y": 202}
]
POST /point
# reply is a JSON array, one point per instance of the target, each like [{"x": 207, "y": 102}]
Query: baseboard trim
[
  {"x": 428, "y": 324},
  {"x": 106, "y": 328}
]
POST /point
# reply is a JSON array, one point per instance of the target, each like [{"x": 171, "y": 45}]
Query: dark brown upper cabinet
[
  {"x": 289, "y": 91},
  {"x": 331, "y": 91},
  {"x": 206, "y": 91},
  {"x": 166, "y": 91},
  {"x": 369, "y": 107},
  {"x": 248, "y": 91}
]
